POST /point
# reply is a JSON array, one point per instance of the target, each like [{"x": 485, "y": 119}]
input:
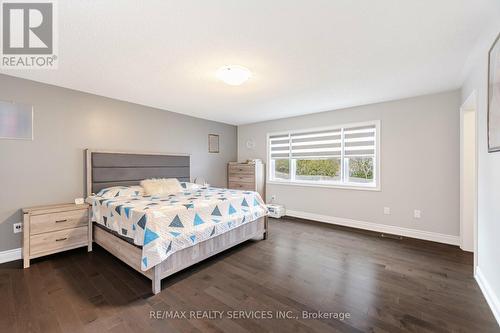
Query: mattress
[
  {"x": 114, "y": 233},
  {"x": 163, "y": 225}
]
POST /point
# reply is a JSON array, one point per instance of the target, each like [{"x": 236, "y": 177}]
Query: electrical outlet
[
  {"x": 273, "y": 197},
  {"x": 18, "y": 227},
  {"x": 417, "y": 214},
  {"x": 387, "y": 210}
]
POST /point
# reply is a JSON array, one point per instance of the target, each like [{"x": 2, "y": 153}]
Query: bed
[{"x": 161, "y": 235}]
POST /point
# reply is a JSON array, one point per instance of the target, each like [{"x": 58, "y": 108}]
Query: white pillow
[
  {"x": 120, "y": 191},
  {"x": 163, "y": 186}
]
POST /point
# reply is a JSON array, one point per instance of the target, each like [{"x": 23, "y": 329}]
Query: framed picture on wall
[
  {"x": 16, "y": 121},
  {"x": 494, "y": 97},
  {"x": 213, "y": 143}
]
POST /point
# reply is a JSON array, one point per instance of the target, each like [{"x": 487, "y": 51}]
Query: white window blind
[
  {"x": 280, "y": 146},
  {"x": 359, "y": 141},
  {"x": 316, "y": 144},
  {"x": 344, "y": 155}
]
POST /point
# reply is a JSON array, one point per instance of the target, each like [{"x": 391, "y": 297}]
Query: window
[{"x": 338, "y": 156}]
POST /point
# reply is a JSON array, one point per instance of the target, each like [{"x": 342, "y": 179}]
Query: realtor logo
[{"x": 28, "y": 35}]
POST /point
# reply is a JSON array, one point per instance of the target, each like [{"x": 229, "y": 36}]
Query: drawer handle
[
  {"x": 61, "y": 221},
  {"x": 61, "y": 239}
]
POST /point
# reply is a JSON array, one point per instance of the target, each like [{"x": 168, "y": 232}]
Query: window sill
[{"x": 336, "y": 186}]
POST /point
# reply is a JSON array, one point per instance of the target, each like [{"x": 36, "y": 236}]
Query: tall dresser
[{"x": 247, "y": 176}]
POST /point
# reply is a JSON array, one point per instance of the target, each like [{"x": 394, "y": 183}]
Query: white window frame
[{"x": 375, "y": 186}]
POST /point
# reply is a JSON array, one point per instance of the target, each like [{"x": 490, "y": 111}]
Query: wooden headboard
[{"x": 110, "y": 168}]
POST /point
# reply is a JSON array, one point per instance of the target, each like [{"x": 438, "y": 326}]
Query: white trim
[
  {"x": 344, "y": 186},
  {"x": 10, "y": 255},
  {"x": 469, "y": 105},
  {"x": 488, "y": 293},
  {"x": 382, "y": 228}
]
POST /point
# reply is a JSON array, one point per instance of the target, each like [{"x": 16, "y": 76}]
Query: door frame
[{"x": 469, "y": 105}]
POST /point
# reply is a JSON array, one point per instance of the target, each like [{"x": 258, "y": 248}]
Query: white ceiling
[{"x": 306, "y": 56}]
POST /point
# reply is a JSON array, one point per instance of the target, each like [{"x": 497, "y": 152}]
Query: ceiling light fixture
[{"x": 233, "y": 75}]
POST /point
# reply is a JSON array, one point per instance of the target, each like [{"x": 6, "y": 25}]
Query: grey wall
[
  {"x": 420, "y": 168},
  {"x": 50, "y": 169},
  {"x": 488, "y": 182}
]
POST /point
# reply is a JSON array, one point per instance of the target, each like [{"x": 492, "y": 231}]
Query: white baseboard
[
  {"x": 10, "y": 255},
  {"x": 388, "y": 229},
  {"x": 488, "y": 293}
]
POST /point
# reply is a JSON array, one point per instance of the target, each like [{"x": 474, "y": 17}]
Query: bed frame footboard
[{"x": 131, "y": 255}]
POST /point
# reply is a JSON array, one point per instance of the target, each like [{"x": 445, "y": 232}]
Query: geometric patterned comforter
[{"x": 165, "y": 225}]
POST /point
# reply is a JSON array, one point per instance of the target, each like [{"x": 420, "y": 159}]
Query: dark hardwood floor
[{"x": 384, "y": 285}]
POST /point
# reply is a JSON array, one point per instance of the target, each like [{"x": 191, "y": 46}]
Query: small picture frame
[{"x": 213, "y": 143}]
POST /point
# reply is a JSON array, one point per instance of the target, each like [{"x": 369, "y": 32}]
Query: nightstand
[{"x": 55, "y": 228}]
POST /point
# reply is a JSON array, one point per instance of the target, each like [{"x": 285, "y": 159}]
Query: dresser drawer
[
  {"x": 241, "y": 169},
  {"x": 242, "y": 186},
  {"x": 56, "y": 241},
  {"x": 58, "y": 221},
  {"x": 245, "y": 178}
]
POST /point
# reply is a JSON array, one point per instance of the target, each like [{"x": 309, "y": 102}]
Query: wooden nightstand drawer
[
  {"x": 58, "y": 221},
  {"x": 56, "y": 241}
]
